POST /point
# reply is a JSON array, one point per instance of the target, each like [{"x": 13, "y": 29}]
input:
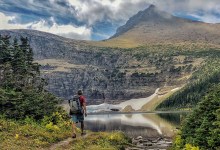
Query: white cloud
[
  {"x": 92, "y": 11},
  {"x": 4, "y": 23},
  {"x": 207, "y": 18},
  {"x": 69, "y": 31}
]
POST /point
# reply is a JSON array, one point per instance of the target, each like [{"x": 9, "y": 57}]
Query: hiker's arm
[{"x": 84, "y": 108}]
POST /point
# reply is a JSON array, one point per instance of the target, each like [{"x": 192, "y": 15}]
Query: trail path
[{"x": 66, "y": 142}]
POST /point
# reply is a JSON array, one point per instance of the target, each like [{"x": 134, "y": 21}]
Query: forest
[
  {"x": 30, "y": 117},
  {"x": 22, "y": 90},
  {"x": 201, "y": 81},
  {"x": 201, "y": 128}
]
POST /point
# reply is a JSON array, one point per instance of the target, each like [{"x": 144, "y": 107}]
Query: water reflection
[{"x": 144, "y": 124}]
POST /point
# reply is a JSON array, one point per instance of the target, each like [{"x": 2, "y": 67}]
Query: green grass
[
  {"x": 99, "y": 141},
  {"x": 29, "y": 134}
]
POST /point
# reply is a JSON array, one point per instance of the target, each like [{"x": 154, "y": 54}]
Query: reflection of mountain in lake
[{"x": 147, "y": 125}]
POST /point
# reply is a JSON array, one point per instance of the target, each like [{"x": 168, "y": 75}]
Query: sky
[{"x": 94, "y": 19}]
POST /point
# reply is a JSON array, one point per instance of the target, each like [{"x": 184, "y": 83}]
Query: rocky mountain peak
[
  {"x": 151, "y": 14},
  {"x": 151, "y": 8}
]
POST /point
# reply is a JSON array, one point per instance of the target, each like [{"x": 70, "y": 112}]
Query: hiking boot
[
  {"x": 74, "y": 135},
  {"x": 83, "y": 133}
]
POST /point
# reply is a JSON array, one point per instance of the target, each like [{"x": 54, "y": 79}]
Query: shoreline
[{"x": 140, "y": 112}]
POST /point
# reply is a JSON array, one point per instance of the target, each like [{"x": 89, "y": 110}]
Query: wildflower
[{"x": 16, "y": 136}]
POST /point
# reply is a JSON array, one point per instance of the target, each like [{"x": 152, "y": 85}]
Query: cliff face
[{"x": 105, "y": 74}]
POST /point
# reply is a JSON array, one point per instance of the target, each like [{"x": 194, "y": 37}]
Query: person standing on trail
[{"x": 78, "y": 111}]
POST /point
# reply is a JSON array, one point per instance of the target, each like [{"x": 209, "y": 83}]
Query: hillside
[
  {"x": 201, "y": 81},
  {"x": 153, "y": 26},
  {"x": 113, "y": 75}
]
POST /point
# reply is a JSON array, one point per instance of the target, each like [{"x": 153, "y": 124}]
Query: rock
[
  {"x": 147, "y": 144},
  {"x": 134, "y": 141},
  {"x": 139, "y": 137},
  {"x": 158, "y": 139},
  {"x": 128, "y": 109},
  {"x": 169, "y": 143},
  {"x": 161, "y": 142},
  {"x": 145, "y": 140},
  {"x": 150, "y": 144},
  {"x": 133, "y": 148},
  {"x": 140, "y": 145}
]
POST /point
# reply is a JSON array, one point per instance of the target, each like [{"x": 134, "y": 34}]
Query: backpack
[{"x": 75, "y": 106}]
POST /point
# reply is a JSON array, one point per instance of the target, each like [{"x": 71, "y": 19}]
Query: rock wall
[{"x": 104, "y": 74}]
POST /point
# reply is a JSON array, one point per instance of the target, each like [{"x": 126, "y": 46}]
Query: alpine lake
[{"x": 147, "y": 125}]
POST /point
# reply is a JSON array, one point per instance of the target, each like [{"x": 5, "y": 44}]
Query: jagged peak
[
  {"x": 152, "y": 13},
  {"x": 151, "y": 8}
]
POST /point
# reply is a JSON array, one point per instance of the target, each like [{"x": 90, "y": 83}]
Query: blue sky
[{"x": 94, "y": 19}]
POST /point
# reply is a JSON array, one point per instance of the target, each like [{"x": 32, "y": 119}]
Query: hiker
[{"x": 78, "y": 111}]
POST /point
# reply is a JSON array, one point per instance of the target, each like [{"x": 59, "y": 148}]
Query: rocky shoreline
[{"x": 140, "y": 143}]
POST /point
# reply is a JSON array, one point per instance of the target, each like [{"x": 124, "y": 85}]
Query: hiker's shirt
[{"x": 82, "y": 100}]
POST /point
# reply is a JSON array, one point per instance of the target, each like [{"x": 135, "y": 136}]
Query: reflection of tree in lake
[{"x": 173, "y": 118}]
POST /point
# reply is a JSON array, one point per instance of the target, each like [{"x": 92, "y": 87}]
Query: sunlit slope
[{"x": 155, "y": 26}]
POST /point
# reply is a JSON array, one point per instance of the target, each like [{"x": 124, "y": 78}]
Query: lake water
[{"x": 136, "y": 124}]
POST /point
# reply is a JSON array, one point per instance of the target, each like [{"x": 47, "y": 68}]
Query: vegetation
[
  {"x": 201, "y": 129},
  {"x": 22, "y": 90},
  {"x": 201, "y": 81},
  {"x": 100, "y": 140},
  {"x": 32, "y": 134},
  {"x": 23, "y": 100},
  {"x": 29, "y": 115}
]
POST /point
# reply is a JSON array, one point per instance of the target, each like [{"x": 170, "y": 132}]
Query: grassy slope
[
  {"x": 31, "y": 135},
  {"x": 99, "y": 140},
  {"x": 198, "y": 52},
  {"x": 151, "y": 106},
  {"x": 201, "y": 81}
]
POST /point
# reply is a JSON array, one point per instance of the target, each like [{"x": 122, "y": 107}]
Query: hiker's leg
[
  {"x": 82, "y": 126},
  {"x": 74, "y": 127}
]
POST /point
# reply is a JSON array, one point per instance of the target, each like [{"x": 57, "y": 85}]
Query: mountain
[
  {"x": 153, "y": 26},
  {"x": 109, "y": 72},
  {"x": 46, "y": 45},
  {"x": 69, "y": 65},
  {"x": 149, "y": 15}
]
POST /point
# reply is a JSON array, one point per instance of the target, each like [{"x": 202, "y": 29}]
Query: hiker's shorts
[{"x": 77, "y": 118}]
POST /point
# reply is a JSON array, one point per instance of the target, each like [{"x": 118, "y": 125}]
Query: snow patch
[
  {"x": 137, "y": 104},
  {"x": 101, "y": 108}
]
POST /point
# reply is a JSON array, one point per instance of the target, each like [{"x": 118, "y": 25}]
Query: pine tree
[
  {"x": 201, "y": 128},
  {"x": 22, "y": 90}
]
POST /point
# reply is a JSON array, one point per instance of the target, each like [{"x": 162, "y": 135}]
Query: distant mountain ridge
[
  {"x": 151, "y": 14},
  {"x": 46, "y": 45},
  {"x": 153, "y": 25}
]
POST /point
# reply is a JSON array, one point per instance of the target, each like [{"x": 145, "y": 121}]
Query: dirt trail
[
  {"x": 61, "y": 143},
  {"x": 66, "y": 142}
]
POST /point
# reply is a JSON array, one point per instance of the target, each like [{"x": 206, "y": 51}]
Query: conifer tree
[
  {"x": 202, "y": 126},
  {"x": 22, "y": 90}
]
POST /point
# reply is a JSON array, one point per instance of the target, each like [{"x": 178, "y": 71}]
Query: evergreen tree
[
  {"x": 202, "y": 127},
  {"x": 22, "y": 90}
]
